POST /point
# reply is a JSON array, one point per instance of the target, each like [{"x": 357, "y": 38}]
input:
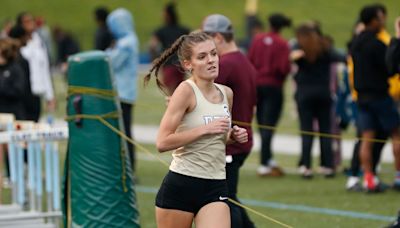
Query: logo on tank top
[
  {"x": 226, "y": 110},
  {"x": 209, "y": 119}
]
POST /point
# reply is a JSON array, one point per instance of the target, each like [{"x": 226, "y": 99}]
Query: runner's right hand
[{"x": 217, "y": 126}]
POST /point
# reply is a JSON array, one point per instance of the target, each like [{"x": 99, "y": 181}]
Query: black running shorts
[{"x": 186, "y": 193}]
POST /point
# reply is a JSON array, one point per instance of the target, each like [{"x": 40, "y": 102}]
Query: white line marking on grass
[
  {"x": 317, "y": 210},
  {"x": 295, "y": 207}
]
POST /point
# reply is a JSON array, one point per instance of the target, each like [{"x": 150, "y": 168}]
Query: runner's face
[{"x": 204, "y": 60}]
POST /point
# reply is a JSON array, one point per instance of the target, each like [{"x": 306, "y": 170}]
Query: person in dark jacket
[
  {"x": 18, "y": 33},
  {"x": 162, "y": 39},
  {"x": 66, "y": 44},
  {"x": 376, "y": 109},
  {"x": 313, "y": 95},
  {"x": 393, "y": 64},
  {"x": 353, "y": 182},
  {"x": 103, "y": 38},
  {"x": 12, "y": 81}
]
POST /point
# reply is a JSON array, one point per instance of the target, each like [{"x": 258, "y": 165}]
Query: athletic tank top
[{"x": 205, "y": 157}]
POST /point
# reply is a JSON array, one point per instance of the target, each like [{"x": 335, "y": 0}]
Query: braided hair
[{"x": 182, "y": 47}]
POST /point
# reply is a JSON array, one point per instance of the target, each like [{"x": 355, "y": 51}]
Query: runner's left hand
[{"x": 239, "y": 134}]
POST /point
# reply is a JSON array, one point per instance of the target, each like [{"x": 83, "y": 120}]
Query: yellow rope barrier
[
  {"x": 103, "y": 93},
  {"x": 120, "y": 133},
  {"x": 319, "y": 134},
  {"x": 258, "y": 213},
  {"x": 101, "y": 118},
  {"x": 294, "y": 132}
]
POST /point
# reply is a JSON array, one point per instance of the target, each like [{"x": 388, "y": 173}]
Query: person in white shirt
[{"x": 35, "y": 52}]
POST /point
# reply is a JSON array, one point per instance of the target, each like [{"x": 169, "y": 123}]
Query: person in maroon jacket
[
  {"x": 236, "y": 72},
  {"x": 269, "y": 54}
]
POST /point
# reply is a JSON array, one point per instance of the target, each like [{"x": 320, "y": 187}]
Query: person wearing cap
[
  {"x": 236, "y": 72},
  {"x": 269, "y": 54}
]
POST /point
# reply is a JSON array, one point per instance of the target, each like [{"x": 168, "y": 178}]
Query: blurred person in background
[
  {"x": 23, "y": 94},
  {"x": 337, "y": 70},
  {"x": 376, "y": 109},
  {"x": 12, "y": 83},
  {"x": 12, "y": 80},
  {"x": 253, "y": 24},
  {"x": 393, "y": 51},
  {"x": 40, "y": 77},
  {"x": 103, "y": 37},
  {"x": 162, "y": 39},
  {"x": 257, "y": 27},
  {"x": 269, "y": 54},
  {"x": 353, "y": 182},
  {"x": 45, "y": 34},
  {"x": 236, "y": 72},
  {"x": 313, "y": 95},
  {"x": 66, "y": 45},
  {"x": 384, "y": 36},
  {"x": 124, "y": 58},
  {"x": 19, "y": 34},
  {"x": 6, "y": 25},
  {"x": 393, "y": 65}
]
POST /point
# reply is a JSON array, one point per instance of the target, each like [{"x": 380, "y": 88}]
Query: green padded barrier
[{"x": 98, "y": 190}]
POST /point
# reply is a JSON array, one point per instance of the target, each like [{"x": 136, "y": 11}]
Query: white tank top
[{"x": 205, "y": 157}]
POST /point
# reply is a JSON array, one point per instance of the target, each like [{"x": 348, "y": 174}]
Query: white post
[
  {"x": 56, "y": 180},
  {"x": 31, "y": 175},
  {"x": 38, "y": 172}
]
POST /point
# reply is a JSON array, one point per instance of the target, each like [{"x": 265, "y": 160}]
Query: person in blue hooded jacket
[{"x": 124, "y": 56}]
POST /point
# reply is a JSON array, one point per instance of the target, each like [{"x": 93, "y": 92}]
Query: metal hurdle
[{"x": 40, "y": 141}]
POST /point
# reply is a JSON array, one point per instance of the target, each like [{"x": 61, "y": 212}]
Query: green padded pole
[{"x": 98, "y": 190}]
